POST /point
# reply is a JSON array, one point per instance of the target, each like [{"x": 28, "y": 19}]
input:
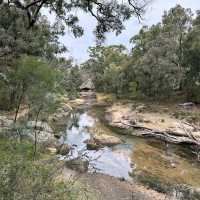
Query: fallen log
[{"x": 168, "y": 136}]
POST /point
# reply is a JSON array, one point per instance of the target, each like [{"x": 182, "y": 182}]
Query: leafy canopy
[{"x": 110, "y": 14}]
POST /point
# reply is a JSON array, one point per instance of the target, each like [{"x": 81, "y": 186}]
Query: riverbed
[{"x": 158, "y": 164}]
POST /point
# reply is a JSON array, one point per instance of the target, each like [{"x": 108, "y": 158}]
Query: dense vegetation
[
  {"x": 34, "y": 79},
  {"x": 163, "y": 62}
]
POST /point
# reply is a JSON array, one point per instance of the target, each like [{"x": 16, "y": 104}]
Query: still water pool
[{"x": 136, "y": 157}]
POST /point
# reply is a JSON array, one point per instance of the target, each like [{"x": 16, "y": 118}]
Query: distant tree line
[{"x": 164, "y": 60}]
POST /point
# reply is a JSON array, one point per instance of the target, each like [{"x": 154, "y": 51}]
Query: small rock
[
  {"x": 140, "y": 108},
  {"x": 57, "y": 135},
  {"x": 92, "y": 146},
  {"x": 42, "y": 130},
  {"x": 51, "y": 150},
  {"x": 63, "y": 149},
  {"x": 133, "y": 121},
  {"x": 122, "y": 179},
  {"x": 42, "y": 136},
  {"x": 78, "y": 165},
  {"x": 162, "y": 120}
]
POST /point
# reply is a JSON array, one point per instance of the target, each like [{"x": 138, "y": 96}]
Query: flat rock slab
[
  {"x": 106, "y": 140},
  {"x": 102, "y": 140},
  {"x": 111, "y": 188}
]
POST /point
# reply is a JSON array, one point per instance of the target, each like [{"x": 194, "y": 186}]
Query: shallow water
[{"x": 171, "y": 164}]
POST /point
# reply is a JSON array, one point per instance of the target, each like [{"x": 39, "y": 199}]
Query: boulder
[
  {"x": 42, "y": 136},
  {"x": 5, "y": 124},
  {"x": 107, "y": 140},
  {"x": 102, "y": 140},
  {"x": 78, "y": 164},
  {"x": 91, "y": 145},
  {"x": 42, "y": 130},
  {"x": 63, "y": 149},
  {"x": 40, "y": 126},
  {"x": 51, "y": 150}
]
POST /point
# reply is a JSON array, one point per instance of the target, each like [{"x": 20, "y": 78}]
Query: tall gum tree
[{"x": 110, "y": 14}]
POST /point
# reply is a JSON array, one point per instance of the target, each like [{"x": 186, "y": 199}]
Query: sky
[{"x": 78, "y": 47}]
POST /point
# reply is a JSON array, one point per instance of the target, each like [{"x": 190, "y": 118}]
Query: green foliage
[
  {"x": 159, "y": 54},
  {"x": 191, "y": 61},
  {"x": 22, "y": 178},
  {"x": 32, "y": 82},
  {"x": 164, "y": 59},
  {"x": 70, "y": 77},
  {"x": 16, "y": 39},
  {"x": 106, "y": 65},
  {"x": 4, "y": 96},
  {"x": 110, "y": 15}
]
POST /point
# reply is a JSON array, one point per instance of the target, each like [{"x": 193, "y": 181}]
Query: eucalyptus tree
[
  {"x": 176, "y": 24},
  {"x": 106, "y": 67},
  {"x": 191, "y": 61},
  {"x": 33, "y": 81},
  {"x": 15, "y": 39},
  {"x": 158, "y": 52},
  {"x": 109, "y": 14}
]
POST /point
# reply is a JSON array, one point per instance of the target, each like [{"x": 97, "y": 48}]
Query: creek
[{"x": 145, "y": 159}]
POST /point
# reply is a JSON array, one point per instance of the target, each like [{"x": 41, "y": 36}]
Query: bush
[{"x": 21, "y": 178}]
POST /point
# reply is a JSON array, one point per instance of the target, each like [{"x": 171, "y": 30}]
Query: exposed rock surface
[
  {"x": 42, "y": 131},
  {"x": 5, "y": 124},
  {"x": 106, "y": 140},
  {"x": 98, "y": 141},
  {"x": 154, "y": 124},
  {"x": 63, "y": 149},
  {"x": 40, "y": 126}
]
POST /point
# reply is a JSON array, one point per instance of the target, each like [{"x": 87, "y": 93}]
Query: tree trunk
[
  {"x": 18, "y": 105},
  {"x": 35, "y": 133}
]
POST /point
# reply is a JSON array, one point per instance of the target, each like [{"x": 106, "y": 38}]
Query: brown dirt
[{"x": 106, "y": 187}]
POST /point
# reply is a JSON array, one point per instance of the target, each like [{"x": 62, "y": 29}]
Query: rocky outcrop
[
  {"x": 152, "y": 124},
  {"x": 40, "y": 126},
  {"x": 42, "y": 131},
  {"x": 106, "y": 140},
  {"x": 5, "y": 124},
  {"x": 98, "y": 141},
  {"x": 63, "y": 149}
]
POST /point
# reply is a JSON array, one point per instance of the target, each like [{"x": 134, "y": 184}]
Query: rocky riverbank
[
  {"x": 159, "y": 122},
  {"x": 122, "y": 116}
]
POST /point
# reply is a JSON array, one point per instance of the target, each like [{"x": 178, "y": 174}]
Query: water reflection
[
  {"x": 168, "y": 163},
  {"x": 112, "y": 161}
]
